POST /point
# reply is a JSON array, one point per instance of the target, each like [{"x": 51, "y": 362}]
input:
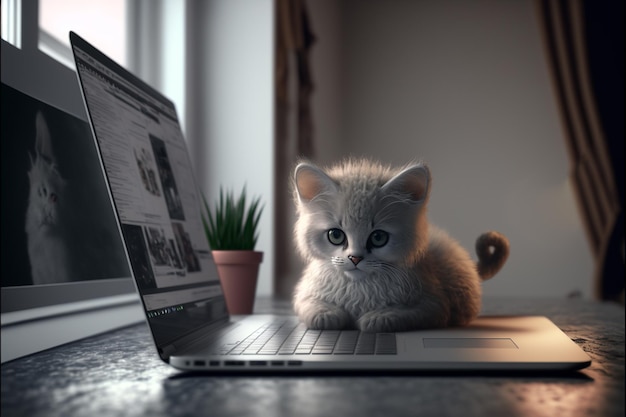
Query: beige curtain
[
  {"x": 585, "y": 51},
  {"x": 294, "y": 125}
]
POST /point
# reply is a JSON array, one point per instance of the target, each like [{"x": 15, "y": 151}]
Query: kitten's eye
[
  {"x": 336, "y": 236},
  {"x": 378, "y": 238}
]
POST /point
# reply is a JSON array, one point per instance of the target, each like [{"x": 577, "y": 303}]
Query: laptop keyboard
[{"x": 291, "y": 338}]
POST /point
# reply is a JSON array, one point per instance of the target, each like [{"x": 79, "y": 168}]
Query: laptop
[{"x": 157, "y": 204}]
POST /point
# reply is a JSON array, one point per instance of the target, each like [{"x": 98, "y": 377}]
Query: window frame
[{"x": 69, "y": 311}]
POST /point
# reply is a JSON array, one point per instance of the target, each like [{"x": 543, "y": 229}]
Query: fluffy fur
[
  {"x": 47, "y": 247},
  {"x": 374, "y": 262},
  {"x": 70, "y": 228}
]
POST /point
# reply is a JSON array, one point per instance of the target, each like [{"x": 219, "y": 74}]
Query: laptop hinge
[{"x": 166, "y": 351}]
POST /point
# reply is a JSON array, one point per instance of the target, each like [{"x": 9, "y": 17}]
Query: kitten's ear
[
  {"x": 413, "y": 181},
  {"x": 310, "y": 181},
  {"x": 43, "y": 140}
]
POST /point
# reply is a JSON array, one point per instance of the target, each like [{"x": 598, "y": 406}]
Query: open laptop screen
[{"x": 148, "y": 170}]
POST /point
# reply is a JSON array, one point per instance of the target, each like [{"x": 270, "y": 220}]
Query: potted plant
[{"x": 231, "y": 228}]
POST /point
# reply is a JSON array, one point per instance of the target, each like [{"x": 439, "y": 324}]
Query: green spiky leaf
[{"x": 231, "y": 224}]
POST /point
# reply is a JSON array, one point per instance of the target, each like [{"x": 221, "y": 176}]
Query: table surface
[{"x": 120, "y": 374}]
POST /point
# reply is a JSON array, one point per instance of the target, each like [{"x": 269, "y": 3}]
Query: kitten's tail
[{"x": 492, "y": 249}]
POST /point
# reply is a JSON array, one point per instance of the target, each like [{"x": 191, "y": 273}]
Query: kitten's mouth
[
  {"x": 46, "y": 221},
  {"x": 355, "y": 273}
]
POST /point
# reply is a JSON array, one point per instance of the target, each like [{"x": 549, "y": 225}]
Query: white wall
[
  {"x": 463, "y": 85},
  {"x": 229, "y": 105}
]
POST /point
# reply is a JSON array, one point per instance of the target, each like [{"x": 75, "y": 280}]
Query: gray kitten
[{"x": 374, "y": 262}]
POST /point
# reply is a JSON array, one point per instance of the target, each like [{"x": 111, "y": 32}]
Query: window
[
  {"x": 11, "y": 22},
  {"x": 103, "y": 22},
  {"x": 36, "y": 317},
  {"x": 146, "y": 37}
]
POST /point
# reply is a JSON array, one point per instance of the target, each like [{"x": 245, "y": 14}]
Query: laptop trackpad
[{"x": 468, "y": 343}]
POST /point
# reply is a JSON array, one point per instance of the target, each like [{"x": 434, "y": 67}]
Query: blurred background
[{"x": 465, "y": 86}]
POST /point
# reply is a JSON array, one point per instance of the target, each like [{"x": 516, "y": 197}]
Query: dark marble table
[{"x": 119, "y": 374}]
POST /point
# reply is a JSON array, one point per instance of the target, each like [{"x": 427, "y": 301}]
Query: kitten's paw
[
  {"x": 378, "y": 321},
  {"x": 400, "y": 320},
  {"x": 327, "y": 319}
]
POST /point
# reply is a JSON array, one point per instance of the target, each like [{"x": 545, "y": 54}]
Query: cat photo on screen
[
  {"x": 57, "y": 221},
  {"x": 373, "y": 260}
]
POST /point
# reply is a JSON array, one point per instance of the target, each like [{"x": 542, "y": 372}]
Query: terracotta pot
[{"x": 238, "y": 271}]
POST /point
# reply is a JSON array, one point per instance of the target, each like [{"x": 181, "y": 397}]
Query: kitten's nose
[{"x": 355, "y": 259}]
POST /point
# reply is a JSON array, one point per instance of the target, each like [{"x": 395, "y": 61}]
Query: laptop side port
[{"x": 234, "y": 363}]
